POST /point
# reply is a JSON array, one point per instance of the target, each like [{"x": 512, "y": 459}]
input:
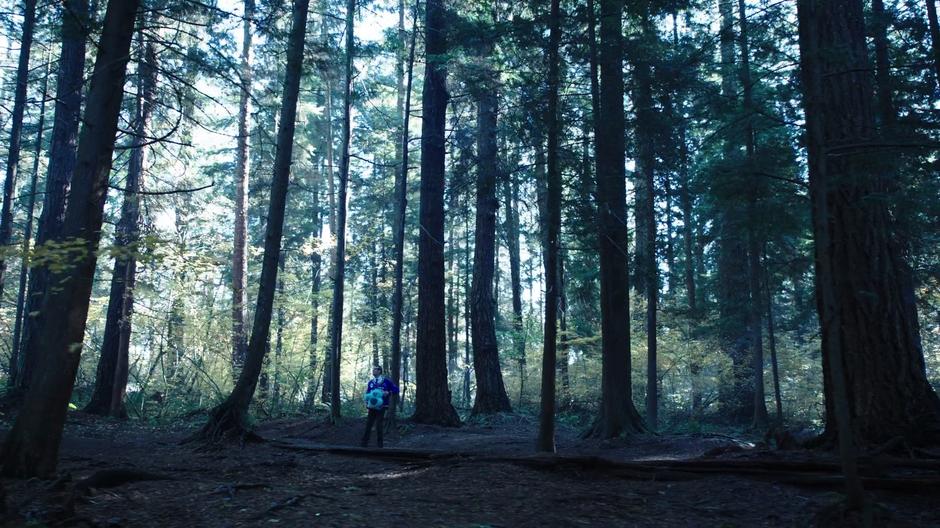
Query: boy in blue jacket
[{"x": 377, "y": 410}]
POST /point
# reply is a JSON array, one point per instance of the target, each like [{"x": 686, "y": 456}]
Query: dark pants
[{"x": 375, "y": 418}]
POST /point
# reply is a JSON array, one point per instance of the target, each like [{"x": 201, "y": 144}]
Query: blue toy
[{"x": 375, "y": 399}]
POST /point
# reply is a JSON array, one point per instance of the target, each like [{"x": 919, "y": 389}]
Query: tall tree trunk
[
  {"x": 327, "y": 73},
  {"x": 16, "y": 132},
  {"x": 671, "y": 285},
  {"x": 336, "y": 309},
  {"x": 453, "y": 287},
  {"x": 934, "y": 36},
  {"x": 754, "y": 244},
  {"x": 16, "y": 358},
  {"x": 111, "y": 376},
  {"x": 240, "y": 251},
  {"x": 62, "y": 153},
  {"x": 563, "y": 337},
  {"x": 685, "y": 196},
  {"x": 818, "y": 89},
  {"x": 279, "y": 334},
  {"x": 617, "y": 413},
  {"x": 432, "y": 397},
  {"x": 401, "y": 205},
  {"x": 772, "y": 343},
  {"x": 229, "y": 419},
  {"x": 511, "y": 198},
  {"x": 32, "y": 445},
  {"x": 466, "y": 311},
  {"x": 316, "y": 266},
  {"x": 868, "y": 315},
  {"x": 647, "y": 269},
  {"x": 546, "y": 435},
  {"x": 737, "y": 396},
  {"x": 491, "y": 393}
]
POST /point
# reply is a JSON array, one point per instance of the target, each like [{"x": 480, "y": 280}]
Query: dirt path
[{"x": 267, "y": 484}]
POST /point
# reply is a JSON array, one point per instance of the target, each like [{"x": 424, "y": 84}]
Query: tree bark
[
  {"x": 868, "y": 314},
  {"x": 16, "y": 132},
  {"x": 62, "y": 152},
  {"x": 546, "y": 435},
  {"x": 31, "y": 447},
  {"x": 432, "y": 397},
  {"x": 111, "y": 376},
  {"x": 336, "y": 309},
  {"x": 240, "y": 250},
  {"x": 491, "y": 393},
  {"x": 229, "y": 419},
  {"x": 617, "y": 413},
  {"x": 401, "y": 206},
  {"x": 814, "y": 44},
  {"x": 16, "y": 358}
]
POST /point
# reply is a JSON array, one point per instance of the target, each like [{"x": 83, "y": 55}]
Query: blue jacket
[{"x": 384, "y": 384}]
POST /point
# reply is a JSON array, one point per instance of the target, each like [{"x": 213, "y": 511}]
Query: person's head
[{"x": 376, "y": 371}]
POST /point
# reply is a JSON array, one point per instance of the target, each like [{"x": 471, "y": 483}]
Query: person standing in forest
[{"x": 378, "y": 391}]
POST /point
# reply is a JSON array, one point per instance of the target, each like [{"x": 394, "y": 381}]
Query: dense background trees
[{"x": 643, "y": 174}]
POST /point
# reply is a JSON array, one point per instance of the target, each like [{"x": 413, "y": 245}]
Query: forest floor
[{"x": 311, "y": 473}]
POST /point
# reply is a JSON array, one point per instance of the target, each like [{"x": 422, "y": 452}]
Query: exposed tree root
[{"x": 227, "y": 423}]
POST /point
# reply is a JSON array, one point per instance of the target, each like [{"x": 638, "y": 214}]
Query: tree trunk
[
  {"x": 229, "y": 419},
  {"x": 327, "y": 74},
  {"x": 934, "y": 36},
  {"x": 647, "y": 269},
  {"x": 68, "y": 103},
  {"x": 336, "y": 309},
  {"x": 111, "y": 377},
  {"x": 316, "y": 265},
  {"x": 32, "y": 445},
  {"x": 759, "y": 415},
  {"x": 552, "y": 236},
  {"x": 772, "y": 342},
  {"x": 563, "y": 337},
  {"x": 240, "y": 251},
  {"x": 466, "y": 311},
  {"x": 401, "y": 205},
  {"x": 279, "y": 335},
  {"x": 511, "y": 197},
  {"x": 491, "y": 393},
  {"x": 815, "y": 44},
  {"x": 16, "y": 132},
  {"x": 868, "y": 315},
  {"x": 737, "y": 396},
  {"x": 617, "y": 413},
  {"x": 16, "y": 358},
  {"x": 432, "y": 397},
  {"x": 453, "y": 297}
]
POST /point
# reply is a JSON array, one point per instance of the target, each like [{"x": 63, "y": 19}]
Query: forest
[{"x": 557, "y": 262}]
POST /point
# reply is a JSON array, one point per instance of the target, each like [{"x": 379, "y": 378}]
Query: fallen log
[{"x": 794, "y": 472}]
